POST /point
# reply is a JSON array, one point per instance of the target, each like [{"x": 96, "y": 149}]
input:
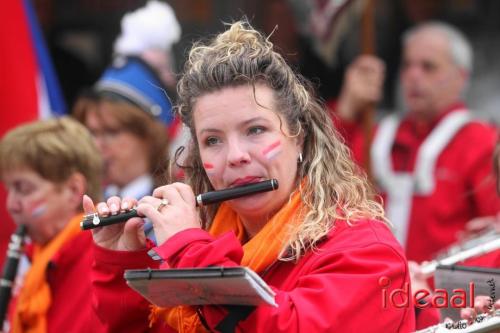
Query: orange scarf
[
  {"x": 35, "y": 297},
  {"x": 258, "y": 253}
]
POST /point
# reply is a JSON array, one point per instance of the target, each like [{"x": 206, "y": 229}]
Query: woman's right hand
[{"x": 128, "y": 236}]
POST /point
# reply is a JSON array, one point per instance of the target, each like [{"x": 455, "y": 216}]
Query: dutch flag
[{"x": 28, "y": 85}]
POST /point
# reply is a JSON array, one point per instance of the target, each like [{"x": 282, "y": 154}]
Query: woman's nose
[
  {"x": 237, "y": 153},
  {"x": 99, "y": 142},
  {"x": 13, "y": 202}
]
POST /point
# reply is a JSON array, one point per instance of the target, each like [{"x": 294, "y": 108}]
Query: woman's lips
[{"x": 245, "y": 180}]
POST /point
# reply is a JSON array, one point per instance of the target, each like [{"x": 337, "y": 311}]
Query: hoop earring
[{"x": 300, "y": 158}]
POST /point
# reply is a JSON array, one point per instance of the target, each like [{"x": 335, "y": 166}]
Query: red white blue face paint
[
  {"x": 272, "y": 151},
  {"x": 38, "y": 210},
  {"x": 209, "y": 168}
]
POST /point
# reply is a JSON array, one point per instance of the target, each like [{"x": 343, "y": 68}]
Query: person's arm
[
  {"x": 362, "y": 88},
  {"x": 117, "y": 308},
  {"x": 338, "y": 292},
  {"x": 427, "y": 316},
  {"x": 479, "y": 170}
]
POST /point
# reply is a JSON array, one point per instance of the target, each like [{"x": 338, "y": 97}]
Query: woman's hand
[
  {"x": 176, "y": 214},
  {"x": 479, "y": 225},
  {"x": 417, "y": 278},
  {"x": 128, "y": 236},
  {"x": 482, "y": 304}
]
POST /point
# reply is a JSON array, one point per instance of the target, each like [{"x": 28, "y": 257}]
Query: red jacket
[
  {"x": 465, "y": 182},
  {"x": 68, "y": 275},
  {"x": 333, "y": 289}
]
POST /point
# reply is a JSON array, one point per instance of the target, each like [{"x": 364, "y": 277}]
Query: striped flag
[{"x": 29, "y": 88}]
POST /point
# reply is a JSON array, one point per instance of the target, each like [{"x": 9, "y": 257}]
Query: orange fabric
[
  {"x": 258, "y": 253},
  {"x": 35, "y": 296}
]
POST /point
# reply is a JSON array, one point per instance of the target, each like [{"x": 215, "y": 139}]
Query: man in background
[{"x": 432, "y": 163}]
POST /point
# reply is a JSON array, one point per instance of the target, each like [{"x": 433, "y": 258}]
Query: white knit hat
[{"x": 152, "y": 26}]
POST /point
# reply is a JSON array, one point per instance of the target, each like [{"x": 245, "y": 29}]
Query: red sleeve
[
  {"x": 197, "y": 248},
  {"x": 427, "y": 317},
  {"x": 491, "y": 260},
  {"x": 351, "y": 132},
  {"x": 479, "y": 169},
  {"x": 117, "y": 308},
  {"x": 333, "y": 294}
]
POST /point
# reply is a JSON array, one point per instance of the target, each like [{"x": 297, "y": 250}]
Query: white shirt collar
[{"x": 137, "y": 188}]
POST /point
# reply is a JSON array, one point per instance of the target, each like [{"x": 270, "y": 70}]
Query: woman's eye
[
  {"x": 256, "y": 130},
  {"x": 210, "y": 141},
  {"x": 24, "y": 188}
]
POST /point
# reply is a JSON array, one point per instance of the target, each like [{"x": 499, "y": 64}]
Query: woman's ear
[{"x": 300, "y": 141}]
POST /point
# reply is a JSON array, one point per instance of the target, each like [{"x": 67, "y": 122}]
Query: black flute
[
  {"x": 93, "y": 220},
  {"x": 14, "y": 252}
]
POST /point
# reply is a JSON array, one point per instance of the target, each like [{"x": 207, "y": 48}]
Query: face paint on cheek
[
  {"x": 209, "y": 168},
  {"x": 272, "y": 151},
  {"x": 37, "y": 209}
]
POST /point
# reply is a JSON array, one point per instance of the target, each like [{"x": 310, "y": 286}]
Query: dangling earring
[{"x": 300, "y": 159}]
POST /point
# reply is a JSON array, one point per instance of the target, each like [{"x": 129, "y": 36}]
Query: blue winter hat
[{"x": 132, "y": 79}]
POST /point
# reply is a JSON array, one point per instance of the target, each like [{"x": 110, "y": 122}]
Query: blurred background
[{"x": 80, "y": 35}]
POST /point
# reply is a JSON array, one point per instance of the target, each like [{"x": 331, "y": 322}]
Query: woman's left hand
[{"x": 177, "y": 213}]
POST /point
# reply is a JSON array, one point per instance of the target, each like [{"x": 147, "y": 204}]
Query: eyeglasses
[{"x": 106, "y": 134}]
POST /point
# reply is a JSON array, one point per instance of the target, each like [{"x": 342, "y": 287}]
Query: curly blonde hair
[{"x": 336, "y": 189}]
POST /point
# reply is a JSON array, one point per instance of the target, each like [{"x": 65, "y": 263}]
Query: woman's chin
[{"x": 250, "y": 203}]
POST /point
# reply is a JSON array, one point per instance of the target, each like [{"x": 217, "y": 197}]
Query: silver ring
[{"x": 163, "y": 203}]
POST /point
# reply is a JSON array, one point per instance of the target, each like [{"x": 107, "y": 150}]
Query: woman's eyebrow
[
  {"x": 211, "y": 130},
  {"x": 254, "y": 119},
  {"x": 242, "y": 124}
]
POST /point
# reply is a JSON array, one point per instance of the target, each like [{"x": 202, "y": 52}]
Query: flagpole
[{"x": 368, "y": 115}]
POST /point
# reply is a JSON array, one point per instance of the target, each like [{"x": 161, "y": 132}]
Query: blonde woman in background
[{"x": 46, "y": 167}]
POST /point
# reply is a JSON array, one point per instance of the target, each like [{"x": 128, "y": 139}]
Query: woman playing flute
[{"x": 320, "y": 241}]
